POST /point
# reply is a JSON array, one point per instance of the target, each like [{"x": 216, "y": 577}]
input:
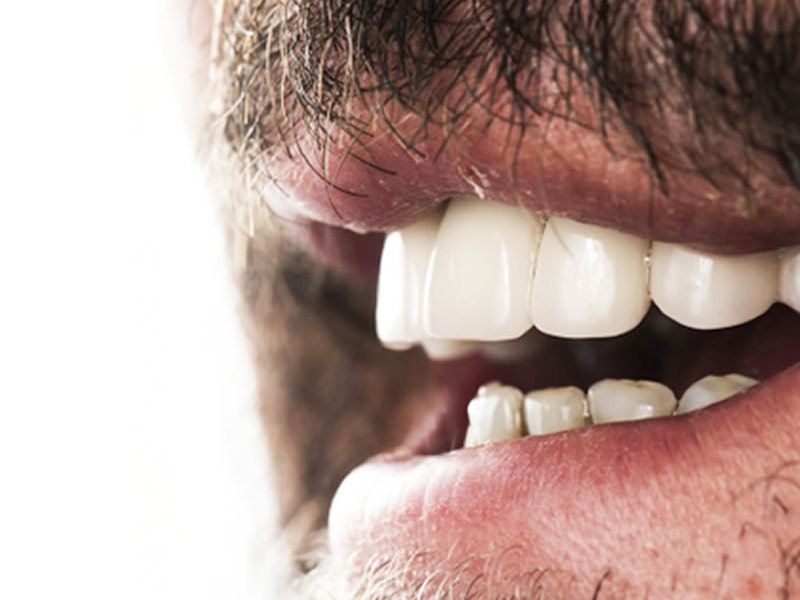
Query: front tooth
[
  {"x": 589, "y": 282},
  {"x": 553, "y": 410},
  {"x": 712, "y": 389},
  {"x": 401, "y": 281},
  {"x": 790, "y": 277},
  {"x": 613, "y": 400},
  {"x": 708, "y": 291},
  {"x": 447, "y": 349},
  {"x": 480, "y": 271},
  {"x": 495, "y": 415}
]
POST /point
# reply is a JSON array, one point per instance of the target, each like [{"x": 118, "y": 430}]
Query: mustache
[{"x": 703, "y": 87}]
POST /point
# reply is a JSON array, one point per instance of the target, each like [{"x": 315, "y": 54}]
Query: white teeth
[
  {"x": 712, "y": 389},
  {"x": 553, "y": 410},
  {"x": 495, "y": 415},
  {"x": 499, "y": 412},
  {"x": 614, "y": 400},
  {"x": 790, "y": 277},
  {"x": 707, "y": 291},
  {"x": 447, "y": 349},
  {"x": 401, "y": 282},
  {"x": 590, "y": 281},
  {"x": 480, "y": 272}
]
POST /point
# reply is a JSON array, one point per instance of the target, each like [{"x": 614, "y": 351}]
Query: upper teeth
[
  {"x": 480, "y": 272},
  {"x": 708, "y": 292},
  {"x": 499, "y": 413},
  {"x": 590, "y": 281},
  {"x": 487, "y": 271}
]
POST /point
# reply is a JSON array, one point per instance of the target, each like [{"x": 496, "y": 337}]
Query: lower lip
[{"x": 580, "y": 500}]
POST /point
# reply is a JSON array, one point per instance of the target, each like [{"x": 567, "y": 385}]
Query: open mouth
[
  {"x": 612, "y": 384},
  {"x": 585, "y": 379},
  {"x": 592, "y": 228},
  {"x": 508, "y": 288}
]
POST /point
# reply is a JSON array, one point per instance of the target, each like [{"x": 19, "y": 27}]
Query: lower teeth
[{"x": 499, "y": 413}]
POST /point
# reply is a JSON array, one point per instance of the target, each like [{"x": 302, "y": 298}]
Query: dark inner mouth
[{"x": 659, "y": 349}]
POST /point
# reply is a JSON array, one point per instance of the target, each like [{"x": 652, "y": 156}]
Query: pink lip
[
  {"x": 581, "y": 180},
  {"x": 581, "y": 500}
]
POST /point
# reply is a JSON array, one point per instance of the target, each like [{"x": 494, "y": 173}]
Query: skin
[{"x": 309, "y": 290}]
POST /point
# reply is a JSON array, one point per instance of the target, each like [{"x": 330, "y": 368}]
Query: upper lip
[{"x": 581, "y": 180}]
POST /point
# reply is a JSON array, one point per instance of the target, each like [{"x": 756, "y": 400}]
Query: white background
[{"x": 131, "y": 464}]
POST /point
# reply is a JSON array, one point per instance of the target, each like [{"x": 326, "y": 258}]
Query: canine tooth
[
  {"x": 554, "y": 409},
  {"x": 401, "y": 281},
  {"x": 589, "y": 282},
  {"x": 790, "y": 277},
  {"x": 447, "y": 349},
  {"x": 480, "y": 272},
  {"x": 495, "y": 415},
  {"x": 712, "y": 389},
  {"x": 708, "y": 291},
  {"x": 613, "y": 400}
]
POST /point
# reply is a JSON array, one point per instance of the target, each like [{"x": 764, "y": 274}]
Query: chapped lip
[{"x": 574, "y": 175}]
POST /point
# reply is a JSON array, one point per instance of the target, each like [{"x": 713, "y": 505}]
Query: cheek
[{"x": 329, "y": 395}]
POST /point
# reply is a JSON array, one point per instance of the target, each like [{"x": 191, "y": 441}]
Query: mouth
[
  {"x": 508, "y": 302},
  {"x": 596, "y": 394},
  {"x": 581, "y": 225}
]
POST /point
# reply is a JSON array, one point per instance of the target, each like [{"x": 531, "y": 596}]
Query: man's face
[{"x": 581, "y": 195}]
